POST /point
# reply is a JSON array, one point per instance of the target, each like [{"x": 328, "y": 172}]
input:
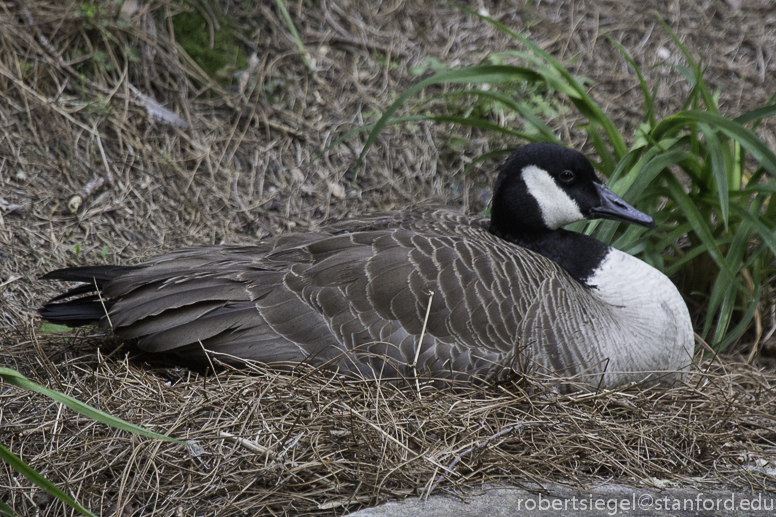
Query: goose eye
[{"x": 567, "y": 176}]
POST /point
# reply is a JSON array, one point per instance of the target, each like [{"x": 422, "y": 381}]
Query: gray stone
[{"x": 605, "y": 500}]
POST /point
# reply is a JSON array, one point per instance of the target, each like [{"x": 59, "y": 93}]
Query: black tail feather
[
  {"x": 86, "y": 307},
  {"x": 89, "y": 274}
]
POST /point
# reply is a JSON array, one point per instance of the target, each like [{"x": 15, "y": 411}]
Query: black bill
[{"x": 615, "y": 208}]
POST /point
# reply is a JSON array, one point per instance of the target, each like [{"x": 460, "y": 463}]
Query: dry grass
[
  {"x": 72, "y": 124},
  {"x": 306, "y": 443}
]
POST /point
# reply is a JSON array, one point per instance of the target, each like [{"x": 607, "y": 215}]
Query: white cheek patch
[{"x": 557, "y": 208}]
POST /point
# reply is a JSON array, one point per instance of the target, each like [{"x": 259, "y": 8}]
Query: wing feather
[{"x": 355, "y": 297}]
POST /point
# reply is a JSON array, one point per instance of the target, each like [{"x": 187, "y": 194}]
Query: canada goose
[{"x": 513, "y": 293}]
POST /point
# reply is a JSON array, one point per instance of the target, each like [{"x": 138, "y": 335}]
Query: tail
[{"x": 82, "y": 305}]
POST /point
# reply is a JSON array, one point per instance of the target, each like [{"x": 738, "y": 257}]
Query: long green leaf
[
  {"x": 645, "y": 177},
  {"x": 481, "y": 124},
  {"x": 17, "y": 379},
  {"x": 700, "y": 228},
  {"x": 5, "y": 510},
  {"x": 581, "y": 99},
  {"x": 649, "y": 102},
  {"x": 746, "y": 320},
  {"x": 369, "y": 127},
  {"x": 673, "y": 235},
  {"x": 657, "y": 163},
  {"x": 722, "y": 296},
  {"x": 477, "y": 74},
  {"x": 762, "y": 187},
  {"x": 718, "y": 169},
  {"x": 724, "y": 338},
  {"x": 20, "y": 466},
  {"x": 756, "y": 114},
  {"x": 625, "y": 166},
  {"x": 731, "y": 128},
  {"x": 724, "y": 315},
  {"x": 696, "y": 80},
  {"x": 484, "y": 157},
  {"x": 759, "y": 250},
  {"x": 294, "y": 34},
  {"x": 767, "y": 234},
  {"x": 676, "y": 266},
  {"x": 548, "y": 135},
  {"x": 607, "y": 165},
  {"x": 632, "y": 240}
]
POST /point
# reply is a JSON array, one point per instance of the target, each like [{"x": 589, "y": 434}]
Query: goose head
[{"x": 542, "y": 187}]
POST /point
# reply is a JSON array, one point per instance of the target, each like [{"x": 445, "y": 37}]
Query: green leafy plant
[{"x": 715, "y": 230}]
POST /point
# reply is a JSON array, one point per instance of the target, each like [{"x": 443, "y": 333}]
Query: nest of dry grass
[
  {"x": 237, "y": 165},
  {"x": 277, "y": 443}
]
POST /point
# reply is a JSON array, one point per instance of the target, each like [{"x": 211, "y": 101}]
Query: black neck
[{"x": 579, "y": 254}]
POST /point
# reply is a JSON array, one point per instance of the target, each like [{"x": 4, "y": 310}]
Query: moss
[{"x": 226, "y": 56}]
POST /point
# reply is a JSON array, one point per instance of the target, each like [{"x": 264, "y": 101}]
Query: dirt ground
[{"x": 243, "y": 163}]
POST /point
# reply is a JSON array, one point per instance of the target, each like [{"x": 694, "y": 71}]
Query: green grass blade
[
  {"x": 718, "y": 169},
  {"x": 756, "y": 254},
  {"x": 746, "y": 320},
  {"x": 656, "y": 164},
  {"x": 688, "y": 75},
  {"x": 6, "y": 511},
  {"x": 696, "y": 77},
  {"x": 481, "y": 124},
  {"x": 474, "y": 74},
  {"x": 626, "y": 163},
  {"x": 724, "y": 316},
  {"x": 632, "y": 240},
  {"x": 548, "y": 135},
  {"x": 700, "y": 228},
  {"x": 721, "y": 303},
  {"x": 767, "y": 234},
  {"x": 484, "y": 157},
  {"x": 608, "y": 162},
  {"x": 294, "y": 34},
  {"x": 649, "y": 101},
  {"x": 629, "y": 167},
  {"x": 735, "y": 157},
  {"x": 731, "y": 128},
  {"x": 17, "y": 379},
  {"x": 722, "y": 294},
  {"x": 763, "y": 187},
  {"x": 722, "y": 337},
  {"x": 370, "y": 127},
  {"x": 642, "y": 176},
  {"x": 708, "y": 99},
  {"x": 674, "y": 235},
  {"x": 19, "y": 466},
  {"x": 580, "y": 98},
  {"x": 676, "y": 266},
  {"x": 756, "y": 114}
]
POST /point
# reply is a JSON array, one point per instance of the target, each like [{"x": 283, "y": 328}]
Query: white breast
[{"x": 653, "y": 319}]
